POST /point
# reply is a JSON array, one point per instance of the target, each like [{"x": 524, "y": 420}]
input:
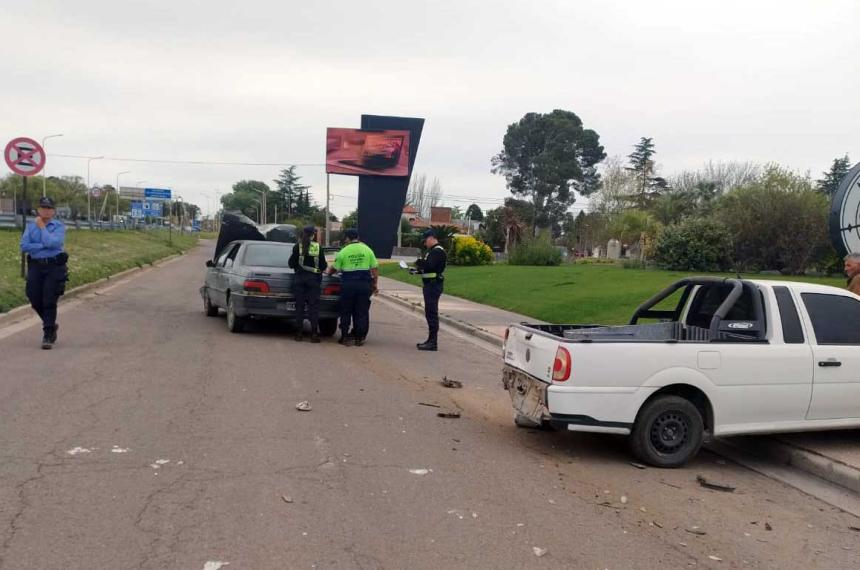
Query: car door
[
  {"x": 835, "y": 322},
  {"x": 228, "y": 272},
  {"x": 218, "y": 284}
]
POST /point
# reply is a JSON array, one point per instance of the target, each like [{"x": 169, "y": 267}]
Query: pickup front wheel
[{"x": 668, "y": 432}]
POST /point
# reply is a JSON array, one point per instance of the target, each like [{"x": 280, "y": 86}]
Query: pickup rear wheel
[{"x": 668, "y": 432}]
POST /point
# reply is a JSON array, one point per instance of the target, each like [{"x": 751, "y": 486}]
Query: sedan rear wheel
[
  {"x": 210, "y": 309},
  {"x": 235, "y": 324}
]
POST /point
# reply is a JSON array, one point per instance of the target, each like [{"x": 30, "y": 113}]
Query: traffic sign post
[{"x": 26, "y": 157}]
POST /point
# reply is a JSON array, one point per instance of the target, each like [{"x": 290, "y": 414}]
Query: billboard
[{"x": 367, "y": 152}]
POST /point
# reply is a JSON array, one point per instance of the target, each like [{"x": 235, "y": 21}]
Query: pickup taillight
[
  {"x": 562, "y": 366},
  {"x": 256, "y": 286}
]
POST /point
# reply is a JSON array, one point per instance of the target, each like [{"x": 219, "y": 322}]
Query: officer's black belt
[{"x": 56, "y": 260}]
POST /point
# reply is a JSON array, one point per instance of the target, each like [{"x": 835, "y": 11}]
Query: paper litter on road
[
  {"x": 715, "y": 558},
  {"x": 214, "y": 565},
  {"x": 304, "y": 406},
  {"x": 539, "y": 551},
  {"x": 162, "y": 461},
  {"x": 118, "y": 449},
  {"x": 419, "y": 471},
  {"x": 78, "y": 450}
]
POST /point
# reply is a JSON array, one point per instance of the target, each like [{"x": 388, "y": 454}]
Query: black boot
[
  {"x": 315, "y": 337},
  {"x": 430, "y": 344},
  {"x": 345, "y": 340},
  {"x": 54, "y": 333},
  {"x": 47, "y": 343}
]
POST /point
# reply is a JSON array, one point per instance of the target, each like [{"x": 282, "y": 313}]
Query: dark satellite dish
[{"x": 845, "y": 214}]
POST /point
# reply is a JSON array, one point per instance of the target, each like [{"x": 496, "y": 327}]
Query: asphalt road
[{"x": 152, "y": 438}]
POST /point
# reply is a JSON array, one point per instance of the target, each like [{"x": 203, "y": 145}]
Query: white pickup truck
[{"x": 726, "y": 357}]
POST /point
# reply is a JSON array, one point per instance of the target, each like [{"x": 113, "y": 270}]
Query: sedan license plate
[{"x": 287, "y": 306}]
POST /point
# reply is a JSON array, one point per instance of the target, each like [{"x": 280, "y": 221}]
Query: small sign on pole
[{"x": 26, "y": 157}]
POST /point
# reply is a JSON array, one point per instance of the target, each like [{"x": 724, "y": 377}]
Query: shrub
[
  {"x": 535, "y": 251},
  {"x": 696, "y": 244},
  {"x": 470, "y": 251}
]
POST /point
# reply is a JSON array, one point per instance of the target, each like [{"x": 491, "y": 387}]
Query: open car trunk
[{"x": 235, "y": 226}]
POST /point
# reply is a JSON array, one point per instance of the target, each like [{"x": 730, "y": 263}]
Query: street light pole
[
  {"x": 45, "y": 161},
  {"x": 259, "y": 211},
  {"x": 89, "y": 192},
  {"x": 327, "y": 215},
  {"x": 117, "y": 190}
]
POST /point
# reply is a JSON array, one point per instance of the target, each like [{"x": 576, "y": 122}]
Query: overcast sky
[{"x": 251, "y": 81}]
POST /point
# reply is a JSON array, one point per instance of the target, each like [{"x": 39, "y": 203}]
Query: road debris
[
  {"x": 304, "y": 406},
  {"x": 428, "y": 405},
  {"x": 695, "y": 530},
  {"x": 79, "y": 450},
  {"x": 539, "y": 552},
  {"x": 623, "y": 499},
  {"x": 715, "y": 558},
  {"x": 215, "y": 565},
  {"x": 448, "y": 414},
  {"x": 448, "y": 383},
  {"x": 608, "y": 505},
  {"x": 767, "y": 526},
  {"x": 118, "y": 449},
  {"x": 419, "y": 471},
  {"x": 286, "y": 499},
  {"x": 854, "y": 528},
  {"x": 655, "y": 523},
  {"x": 714, "y": 486},
  {"x": 669, "y": 485},
  {"x": 637, "y": 465}
]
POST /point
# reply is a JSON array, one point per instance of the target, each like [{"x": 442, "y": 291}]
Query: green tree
[
  {"x": 779, "y": 222},
  {"x": 642, "y": 165},
  {"x": 243, "y": 195},
  {"x": 473, "y": 212},
  {"x": 293, "y": 195},
  {"x": 350, "y": 220},
  {"x": 695, "y": 244},
  {"x": 838, "y": 170},
  {"x": 547, "y": 158}
]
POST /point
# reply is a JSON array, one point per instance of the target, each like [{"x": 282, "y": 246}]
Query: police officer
[
  {"x": 308, "y": 261},
  {"x": 43, "y": 241},
  {"x": 359, "y": 277},
  {"x": 431, "y": 269}
]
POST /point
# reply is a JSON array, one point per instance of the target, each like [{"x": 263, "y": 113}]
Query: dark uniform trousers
[
  {"x": 432, "y": 292},
  {"x": 45, "y": 284},
  {"x": 306, "y": 288},
  {"x": 355, "y": 307}
]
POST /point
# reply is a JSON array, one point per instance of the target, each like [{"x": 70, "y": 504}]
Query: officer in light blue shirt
[{"x": 43, "y": 240}]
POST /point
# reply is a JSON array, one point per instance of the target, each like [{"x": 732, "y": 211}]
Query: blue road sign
[
  {"x": 150, "y": 208},
  {"x": 156, "y": 193}
]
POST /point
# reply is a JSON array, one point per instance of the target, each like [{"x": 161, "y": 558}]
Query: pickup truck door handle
[{"x": 829, "y": 363}]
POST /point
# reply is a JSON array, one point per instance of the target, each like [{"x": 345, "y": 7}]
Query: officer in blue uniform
[
  {"x": 43, "y": 240},
  {"x": 431, "y": 269}
]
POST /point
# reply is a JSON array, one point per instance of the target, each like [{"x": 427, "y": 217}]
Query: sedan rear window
[{"x": 267, "y": 255}]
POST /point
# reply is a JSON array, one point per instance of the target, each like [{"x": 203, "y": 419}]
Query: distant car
[{"x": 251, "y": 279}]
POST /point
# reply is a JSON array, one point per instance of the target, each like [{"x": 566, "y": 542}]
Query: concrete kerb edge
[
  {"x": 23, "y": 311},
  {"x": 448, "y": 320},
  {"x": 831, "y": 470}
]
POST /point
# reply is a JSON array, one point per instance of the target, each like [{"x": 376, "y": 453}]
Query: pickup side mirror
[{"x": 210, "y": 263}]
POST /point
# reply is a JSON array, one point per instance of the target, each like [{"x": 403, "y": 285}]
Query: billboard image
[{"x": 367, "y": 153}]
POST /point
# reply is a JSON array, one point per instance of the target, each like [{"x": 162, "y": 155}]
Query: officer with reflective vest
[
  {"x": 431, "y": 269},
  {"x": 359, "y": 275},
  {"x": 43, "y": 241},
  {"x": 308, "y": 261}
]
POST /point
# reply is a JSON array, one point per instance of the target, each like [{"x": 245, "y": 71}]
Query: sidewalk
[
  {"x": 483, "y": 321},
  {"x": 833, "y": 456}
]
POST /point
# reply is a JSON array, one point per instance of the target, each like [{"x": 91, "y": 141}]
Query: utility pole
[
  {"x": 117, "y": 191},
  {"x": 44, "y": 169},
  {"x": 89, "y": 190},
  {"x": 327, "y": 215}
]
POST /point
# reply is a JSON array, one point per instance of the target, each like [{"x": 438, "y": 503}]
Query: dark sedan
[{"x": 251, "y": 279}]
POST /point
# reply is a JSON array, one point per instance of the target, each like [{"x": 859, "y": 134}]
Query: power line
[{"x": 201, "y": 162}]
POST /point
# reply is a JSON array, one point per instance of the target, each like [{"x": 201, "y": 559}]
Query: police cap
[
  {"x": 429, "y": 234},
  {"x": 309, "y": 230},
  {"x": 351, "y": 234},
  {"x": 46, "y": 202}
]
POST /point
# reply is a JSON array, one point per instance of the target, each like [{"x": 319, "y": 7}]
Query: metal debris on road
[
  {"x": 854, "y": 528},
  {"x": 714, "y": 486},
  {"x": 448, "y": 383},
  {"x": 215, "y": 565},
  {"x": 304, "y": 406},
  {"x": 539, "y": 552},
  {"x": 287, "y": 499},
  {"x": 448, "y": 414},
  {"x": 767, "y": 526},
  {"x": 695, "y": 531},
  {"x": 637, "y": 465},
  {"x": 429, "y": 405},
  {"x": 715, "y": 558},
  {"x": 655, "y": 523}
]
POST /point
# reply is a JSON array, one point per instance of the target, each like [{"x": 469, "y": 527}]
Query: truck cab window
[{"x": 834, "y": 318}]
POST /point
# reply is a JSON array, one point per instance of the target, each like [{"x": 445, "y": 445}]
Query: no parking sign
[{"x": 24, "y": 156}]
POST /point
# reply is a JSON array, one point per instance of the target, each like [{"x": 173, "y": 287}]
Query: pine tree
[
  {"x": 838, "y": 170},
  {"x": 291, "y": 190}
]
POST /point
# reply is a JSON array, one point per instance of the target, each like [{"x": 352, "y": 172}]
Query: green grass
[
  {"x": 580, "y": 293},
  {"x": 93, "y": 255}
]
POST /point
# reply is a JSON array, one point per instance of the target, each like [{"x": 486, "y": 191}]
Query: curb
[
  {"x": 823, "y": 467},
  {"x": 24, "y": 311},
  {"x": 463, "y": 326}
]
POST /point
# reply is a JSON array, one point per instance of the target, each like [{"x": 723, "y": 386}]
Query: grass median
[
  {"x": 93, "y": 255},
  {"x": 571, "y": 293}
]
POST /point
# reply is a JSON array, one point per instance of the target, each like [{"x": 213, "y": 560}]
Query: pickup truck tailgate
[{"x": 532, "y": 352}]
